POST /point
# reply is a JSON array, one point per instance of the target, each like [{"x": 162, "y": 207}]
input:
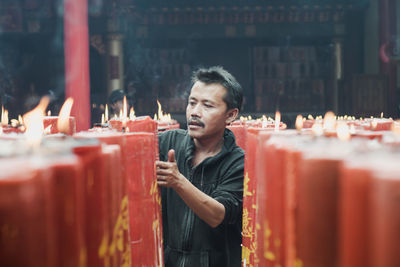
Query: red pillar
[
  {"x": 387, "y": 33},
  {"x": 76, "y": 51}
]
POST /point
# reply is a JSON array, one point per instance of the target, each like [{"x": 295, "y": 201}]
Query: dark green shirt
[{"x": 188, "y": 240}]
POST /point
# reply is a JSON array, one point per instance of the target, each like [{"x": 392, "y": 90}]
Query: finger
[
  {"x": 171, "y": 155},
  {"x": 162, "y": 183},
  {"x": 162, "y": 164},
  {"x": 163, "y": 172}
]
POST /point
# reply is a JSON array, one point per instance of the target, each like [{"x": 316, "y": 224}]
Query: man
[
  {"x": 116, "y": 101},
  {"x": 201, "y": 175}
]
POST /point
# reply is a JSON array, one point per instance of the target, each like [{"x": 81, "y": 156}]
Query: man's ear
[{"x": 231, "y": 115}]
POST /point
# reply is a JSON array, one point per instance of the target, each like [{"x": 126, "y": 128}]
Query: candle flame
[
  {"x": 374, "y": 123},
  {"x": 329, "y": 121},
  {"x": 396, "y": 127},
  {"x": 277, "y": 120},
  {"x": 264, "y": 121},
  {"x": 102, "y": 119},
  {"x": 299, "y": 122},
  {"x": 63, "y": 116},
  {"x": 381, "y": 114},
  {"x": 317, "y": 129},
  {"x": 125, "y": 114},
  {"x": 343, "y": 132},
  {"x": 162, "y": 116},
  {"x": 310, "y": 117},
  {"x": 4, "y": 116},
  {"x": 33, "y": 121},
  {"x": 132, "y": 114},
  {"x": 106, "y": 114},
  {"x": 49, "y": 113},
  {"x": 14, "y": 123}
]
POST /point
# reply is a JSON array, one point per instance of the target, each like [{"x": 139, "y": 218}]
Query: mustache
[{"x": 196, "y": 120}]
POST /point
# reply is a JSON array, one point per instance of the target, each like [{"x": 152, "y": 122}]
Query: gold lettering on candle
[
  {"x": 268, "y": 254},
  {"x": 246, "y": 185},
  {"x": 108, "y": 250},
  {"x": 155, "y": 193}
]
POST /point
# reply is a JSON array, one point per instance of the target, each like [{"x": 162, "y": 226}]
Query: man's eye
[
  {"x": 192, "y": 103},
  {"x": 208, "y": 106}
]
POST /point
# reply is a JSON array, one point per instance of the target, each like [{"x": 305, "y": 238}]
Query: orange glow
[
  {"x": 329, "y": 121},
  {"x": 299, "y": 122},
  {"x": 343, "y": 131},
  {"x": 132, "y": 114},
  {"x": 33, "y": 121},
  {"x": 277, "y": 121},
  {"x": 125, "y": 114},
  {"x": 317, "y": 129},
  {"x": 106, "y": 114},
  {"x": 63, "y": 116},
  {"x": 4, "y": 116}
]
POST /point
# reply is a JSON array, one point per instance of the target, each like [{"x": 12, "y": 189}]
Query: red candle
[
  {"x": 167, "y": 125},
  {"x": 249, "y": 256},
  {"x": 116, "y": 180},
  {"x": 240, "y": 135},
  {"x": 26, "y": 226},
  {"x": 354, "y": 209},
  {"x": 50, "y": 123},
  {"x": 271, "y": 197},
  {"x": 384, "y": 212},
  {"x": 270, "y": 183},
  {"x": 317, "y": 212},
  {"x": 144, "y": 201},
  {"x": 293, "y": 157},
  {"x": 96, "y": 203},
  {"x": 76, "y": 50},
  {"x": 68, "y": 199}
]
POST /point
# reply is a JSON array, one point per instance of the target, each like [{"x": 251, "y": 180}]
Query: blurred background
[{"x": 298, "y": 56}]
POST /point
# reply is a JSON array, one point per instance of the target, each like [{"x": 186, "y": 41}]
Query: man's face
[
  {"x": 117, "y": 106},
  {"x": 207, "y": 113}
]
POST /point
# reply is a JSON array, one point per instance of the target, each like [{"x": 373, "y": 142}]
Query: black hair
[
  {"x": 217, "y": 74},
  {"x": 116, "y": 95}
]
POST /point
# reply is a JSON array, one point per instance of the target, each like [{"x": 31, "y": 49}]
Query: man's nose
[{"x": 195, "y": 111}]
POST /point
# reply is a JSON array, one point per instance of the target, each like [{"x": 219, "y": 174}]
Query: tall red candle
[
  {"x": 116, "y": 181},
  {"x": 96, "y": 203},
  {"x": 76, "y": 50},
  {"x": 249, "y": 256},
  {"x": 354, "y": 209},
  {"x": 240, "y": 135},
  {"x": 144, "y": 201},
  {"x": 68, "y": 199},
  {"x": 317, "y": 210},
  {"x": 385, "y": 212},
  {"x": 26, "y": 212}
]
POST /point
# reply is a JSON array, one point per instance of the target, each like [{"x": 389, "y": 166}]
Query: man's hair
[
  {"x": 216, "y": 74},
  {"x": 116, "y": 95}
]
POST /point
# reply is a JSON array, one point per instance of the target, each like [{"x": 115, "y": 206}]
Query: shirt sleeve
[{"x": 229, "y": 191}]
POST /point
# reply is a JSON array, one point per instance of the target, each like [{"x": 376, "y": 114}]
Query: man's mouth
[{"x": 195, "y": 122}]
